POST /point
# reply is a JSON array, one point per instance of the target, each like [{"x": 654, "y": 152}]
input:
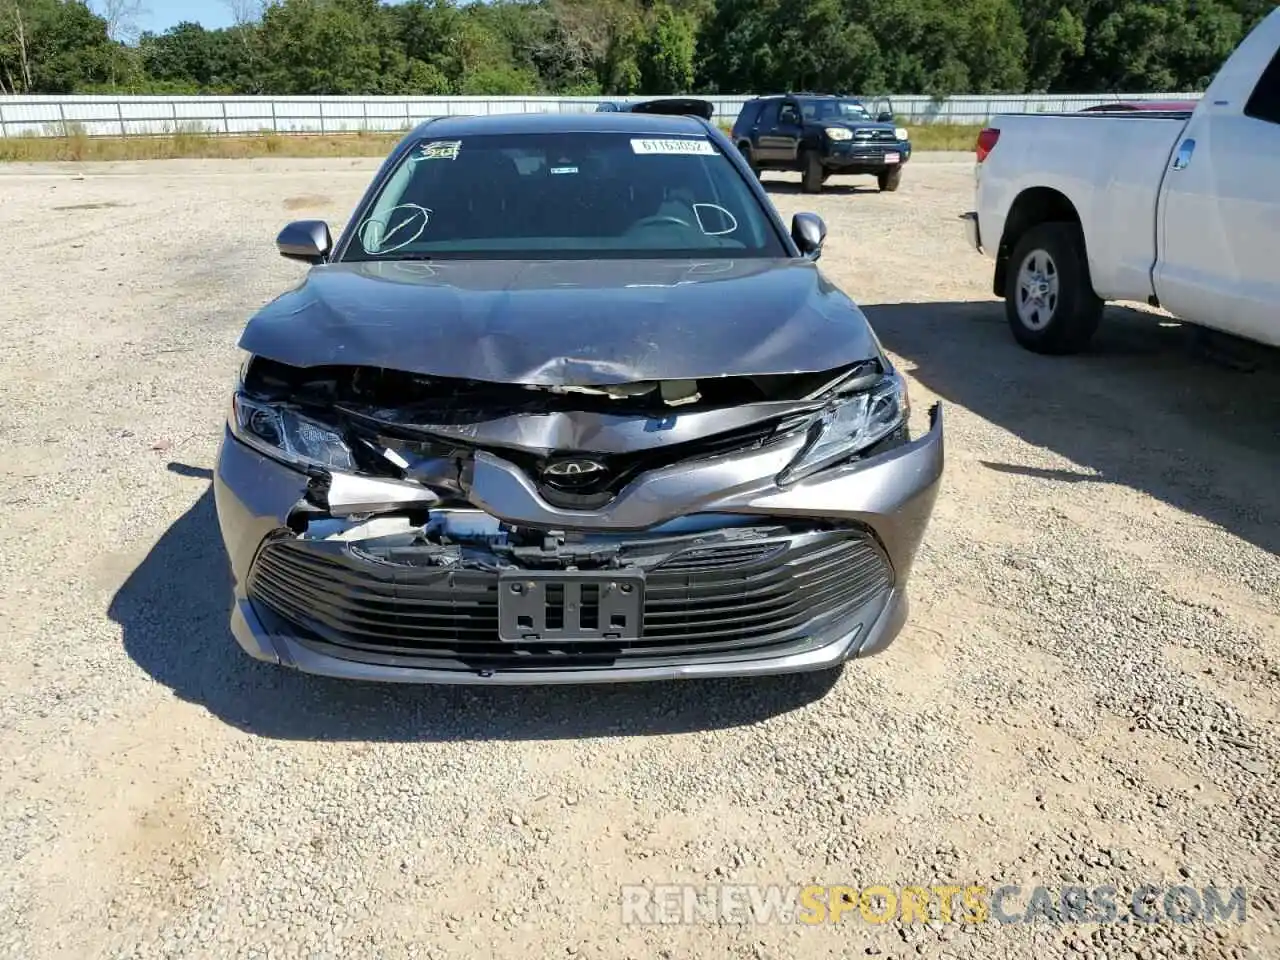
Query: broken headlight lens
[
  {"x": 850, "y": 425},
  {"x": 285, "y": 434}
]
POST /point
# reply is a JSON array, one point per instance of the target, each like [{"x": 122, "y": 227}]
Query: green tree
[
  {"x": 776, "y": 45},
  {"x": 666, "y": 57},
  {"x": 206, "y": 61},
  {"x": 630, "y": 47},
  {"x": 619, "y": 64},
  {"x": 322, "y": 47},
  {"x": 53, "y": 46},
  {"x": 1136, "y": 45},
  {"x": 1055, "y": 33}
]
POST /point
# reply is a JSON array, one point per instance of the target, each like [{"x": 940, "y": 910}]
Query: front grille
[
  {"x": 739, "y": 598},
  {"x": 593, "y": 491}
]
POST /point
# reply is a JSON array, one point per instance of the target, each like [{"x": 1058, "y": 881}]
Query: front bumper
[
  {"x": 878, "y": 508},
  {"x": 860, "y": 157}
]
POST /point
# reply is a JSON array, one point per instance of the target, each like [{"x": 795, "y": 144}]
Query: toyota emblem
[{"x": 577, "y": 469}]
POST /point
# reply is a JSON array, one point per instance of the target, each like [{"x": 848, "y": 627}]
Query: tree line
[{"x": 627, "y": 47}]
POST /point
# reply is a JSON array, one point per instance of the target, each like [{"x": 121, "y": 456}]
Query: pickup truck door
[
  {"x": 1220, "y": 213},
  {"x": 780, "y": 132}
]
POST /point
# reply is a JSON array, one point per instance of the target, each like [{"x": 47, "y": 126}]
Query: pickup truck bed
[{"x": 1170, "y": 207}]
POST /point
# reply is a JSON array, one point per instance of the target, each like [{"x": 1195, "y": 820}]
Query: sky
[{"x": 159, "y": 15}]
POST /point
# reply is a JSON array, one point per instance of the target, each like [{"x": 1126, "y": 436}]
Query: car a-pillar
[{"x": 1042, "y": 271}]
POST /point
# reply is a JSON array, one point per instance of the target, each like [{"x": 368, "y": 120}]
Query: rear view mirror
[
  {"x": 305, "y": 240},
  {"x": 809, "y": 231},
  {"x": 884, "y": 117}
]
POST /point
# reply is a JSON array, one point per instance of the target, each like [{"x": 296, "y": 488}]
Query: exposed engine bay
[
  {"x": 580, "y": 444},
  {"x": 471, "y": 539},
  {"x": 410, "y": 398}
]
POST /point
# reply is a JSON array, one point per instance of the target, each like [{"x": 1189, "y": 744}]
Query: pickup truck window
[{"x": 1264, "y": 103}]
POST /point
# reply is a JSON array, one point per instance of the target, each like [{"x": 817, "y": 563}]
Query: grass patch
[
  {"x": 191, "y": 144},
  {"x": 74, "y": 144},
  {"x": 944, "y": 136}
]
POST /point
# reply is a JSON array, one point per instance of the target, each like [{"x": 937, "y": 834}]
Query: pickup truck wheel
[
  {"x": 1049, "y": 298},
  {"x": 890, "y": 180},
  {"x": 811, "y": 178}
]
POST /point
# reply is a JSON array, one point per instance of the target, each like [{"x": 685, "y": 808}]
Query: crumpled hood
[{"x": 566, "y": 323}]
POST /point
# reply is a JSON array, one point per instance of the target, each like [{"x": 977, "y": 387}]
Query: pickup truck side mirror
[
  {"x": 809, "y": 231},
  {"x": 884, "y": 117},
  {"x": 305, "y": 240}
]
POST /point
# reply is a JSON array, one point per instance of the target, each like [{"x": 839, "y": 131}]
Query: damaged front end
[{"x": 393, "y": 525}]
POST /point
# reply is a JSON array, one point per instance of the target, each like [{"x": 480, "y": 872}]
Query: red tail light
[{"x": 987, "y": 141}]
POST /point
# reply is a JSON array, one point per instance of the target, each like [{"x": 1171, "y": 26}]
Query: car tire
[
  {"x": 1049, "y": 298},
  {"x": 890, "y": 180},
  {"x": 750, "y": 156},
  {"x": 811, "y": 172}
]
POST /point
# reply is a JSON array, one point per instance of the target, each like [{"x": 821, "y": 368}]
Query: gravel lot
[{"x": 1086, "y": 693}]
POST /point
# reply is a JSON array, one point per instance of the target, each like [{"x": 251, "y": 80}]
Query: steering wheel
[{"x": 659, "y": 220}]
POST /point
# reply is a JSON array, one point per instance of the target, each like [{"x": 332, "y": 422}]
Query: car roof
[
  {"x": 653, "y": 124},
  {"x": 808, "y": 96}
]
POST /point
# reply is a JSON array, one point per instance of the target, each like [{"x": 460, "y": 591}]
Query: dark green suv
[{"x": 820, "y": 135}]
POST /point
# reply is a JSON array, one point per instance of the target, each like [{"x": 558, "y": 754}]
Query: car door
[
  {"x": 780, "y": 129},
  {"x": 745, "y": 127},
  {"x": 764, "y": 140},
  {"x": 1221, "y": 216}
]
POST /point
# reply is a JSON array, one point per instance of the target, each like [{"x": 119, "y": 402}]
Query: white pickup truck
[{"x": 1179, "y": 210}]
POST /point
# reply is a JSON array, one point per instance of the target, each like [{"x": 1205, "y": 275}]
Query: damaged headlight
[
  {"x": 850, "y": 425},
  {"x": 285, "y": 434}
]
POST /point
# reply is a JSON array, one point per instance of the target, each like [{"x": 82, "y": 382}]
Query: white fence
[{"x": 142, "y": 116}]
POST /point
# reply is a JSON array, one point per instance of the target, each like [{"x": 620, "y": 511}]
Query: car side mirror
[
  {"x": 884, "y": 117},
  {"x": 305, "y": 240},
  {"x": 809, "y": 231}
]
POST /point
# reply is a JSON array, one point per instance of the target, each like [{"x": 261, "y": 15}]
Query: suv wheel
[
  {"x": 1049, "y": 298},
  {"x": 811, "y": 172},
  {"x": 750, "y": 156},
  {"x": 889, "y": 180}
]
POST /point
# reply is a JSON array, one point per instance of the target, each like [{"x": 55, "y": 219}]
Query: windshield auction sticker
[
  {"x": 678, "y": 147},
  {"x": 441, "y": 150}
]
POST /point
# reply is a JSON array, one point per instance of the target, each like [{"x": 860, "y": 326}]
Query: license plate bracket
[{"x": 544, "y": 606}]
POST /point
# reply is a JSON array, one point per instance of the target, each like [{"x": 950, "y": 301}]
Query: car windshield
[
  {"x": 564, "y": 196},
  {"x": 836, "y": 110}
]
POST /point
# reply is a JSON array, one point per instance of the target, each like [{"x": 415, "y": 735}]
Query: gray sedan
[{"x": 567, "y": 402}]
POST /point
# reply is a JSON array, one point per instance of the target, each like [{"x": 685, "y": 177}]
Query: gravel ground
[{"x": 1086, "y": 692}]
